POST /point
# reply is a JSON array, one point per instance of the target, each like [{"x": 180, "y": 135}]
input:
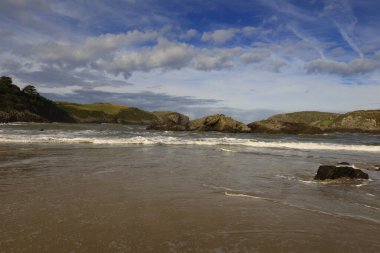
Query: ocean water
[{"x": 119, "y": 188}]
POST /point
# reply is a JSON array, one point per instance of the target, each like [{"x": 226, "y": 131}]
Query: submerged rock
[
  {"x": 219, "y": 123},
  {"x": 170, "y": 121},
  {"x": 335, "y": 172},
  {"x": 343, "y": 163}
]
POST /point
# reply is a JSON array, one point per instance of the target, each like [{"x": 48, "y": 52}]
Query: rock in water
[
  {"x": 334, "y": 172},
  {"x": 219, "y": 123},
  {"x": 170, "y": 121}
]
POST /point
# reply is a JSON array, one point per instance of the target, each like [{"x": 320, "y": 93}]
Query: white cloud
[
  {"x": 248, "y": 30},
  {"x": 90, "y": 50},
  {"x": 255, "y": 55},
  {"x": 165, "y": 55},
  {"x": 354, "y": 67},
  {"x": 171, "y": 55},
  {"x": 189, "y": 34},
  {"x": 220, "y": 36}
]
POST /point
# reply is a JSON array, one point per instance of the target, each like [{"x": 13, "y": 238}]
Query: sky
[{"x": 245, "y": 58}]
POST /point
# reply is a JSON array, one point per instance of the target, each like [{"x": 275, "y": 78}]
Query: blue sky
[{"x": 248, "y": 59}]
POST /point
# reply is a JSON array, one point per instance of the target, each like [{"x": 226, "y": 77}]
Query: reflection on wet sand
[{"x": 57, "y": 198}]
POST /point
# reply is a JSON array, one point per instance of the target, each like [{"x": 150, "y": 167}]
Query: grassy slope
[
  {"x": 111, "y": 109},
  {"x": 311, "y": 121},
  {"x": 368, "y": 119},
  {"x": 366, "y": 114},
  {"x": 105, "y": 112},
  {"x": 306, "y": 117}
]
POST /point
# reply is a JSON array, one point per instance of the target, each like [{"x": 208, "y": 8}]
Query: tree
[
  {"x": 30, "y": 90},
  {"x": 5, "y": 80}
]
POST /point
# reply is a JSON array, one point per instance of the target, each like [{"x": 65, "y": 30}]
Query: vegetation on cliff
[
  {"x": 107, "y": 113},
  {"x": 27, "y": 105},
  {"x": 319, "y": 122}
]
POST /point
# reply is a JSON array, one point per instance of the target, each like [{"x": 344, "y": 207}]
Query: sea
[{"x": 121, "y": 188}]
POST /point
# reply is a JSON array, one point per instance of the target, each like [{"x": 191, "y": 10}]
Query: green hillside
[
  {"x": 29, "y": 106},
  {"x": 305, "y": 117},
  {"x": 319, "y": 122},
  {"x": 368, "y": 120},
  {"x": 106, "y": 113}
]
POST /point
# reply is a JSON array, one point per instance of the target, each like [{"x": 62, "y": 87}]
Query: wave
[
  {"x": 242, "y": 195},
  {"x": 167, "y": 140},
  {"x": 228, "y": 150},
  {"x": 309, "y": 209}
]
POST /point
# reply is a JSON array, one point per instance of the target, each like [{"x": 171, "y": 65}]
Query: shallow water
[{"x": 112, "y": 188}]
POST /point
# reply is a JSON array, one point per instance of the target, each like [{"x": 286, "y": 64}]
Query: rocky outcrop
[
  {"x": 17, "y": 116},
  {"x": 219, "y": 123},
  {"x": 173, "y": 121},
  {"x": 308, "y": 122},
  {"x": 319, "y": 122},
  {"x": 170, "y": 121},
  {"x": 358, "y": 121},
  {"x": 279, "y": 127},
  {"x": 334, "y": 172}
]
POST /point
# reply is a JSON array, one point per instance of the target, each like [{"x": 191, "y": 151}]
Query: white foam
[
  {"x": 215, "y": 187},
  {"x": 362, "y": 184},
  {"x": 167, "y": 140},
  {"x": 241, "y": 195},
  {"x": 372, "y": 207},
  {"x": 227, "y": 150}
]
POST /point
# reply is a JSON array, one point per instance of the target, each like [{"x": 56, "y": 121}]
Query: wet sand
[{"x": 65, "y": 198}]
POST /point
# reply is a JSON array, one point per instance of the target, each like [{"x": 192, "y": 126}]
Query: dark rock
[
  {"x": 334, "y": 172},
  {"x": 343, "y": 163},
  {"x": 19, "y": 116},
  {"x": 170, "y": 121},
  {"x": 219, "y": 123}
]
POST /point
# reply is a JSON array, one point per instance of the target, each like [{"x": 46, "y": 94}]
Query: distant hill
[
  {"x": 107, "y": 113},
  {"x": 27, "y": 105},
  {"x": 312, "y": 122},
  {"x": 363, "y": 120},
  {"x": 305, "y": 117}
]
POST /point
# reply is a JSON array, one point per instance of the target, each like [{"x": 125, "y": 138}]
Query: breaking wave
[{"x": 167, "y": 140}]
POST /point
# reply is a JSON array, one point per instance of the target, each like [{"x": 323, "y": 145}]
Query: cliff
[
  {"x": 220, "y": 123},
  {"x": 170, "y": 121},
  {"x": 27, "y": 105}
]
